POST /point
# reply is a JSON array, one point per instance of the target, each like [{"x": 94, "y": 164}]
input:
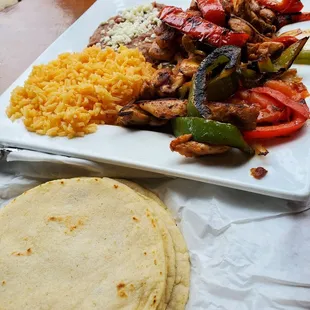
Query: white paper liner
[{"x": 248, "y": 252}]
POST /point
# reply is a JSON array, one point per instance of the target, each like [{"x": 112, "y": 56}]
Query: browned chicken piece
[
  {"x": 166, "y": 36},
  {"x": 193, "y": 5},
  {"x": 241, "y": 8},
  {"x": 256, "y": 51},
  {"x": 164, "y": 84},
  {"x": 133, "y": 115},
  {"x": 148, "y": 91},
  {"x": 188, "y": 148},
  {"x": 189, "y": 67},
  {"x": 161, "y": 77},
  {"x": 228, "y": 6},
  {"x": 170, "y": 89},
  {"x": 241, "y": 115},
  {"x": 151, "y": 112},
  {"x": 164, "y": 108},
  {"x": 262, "y": 26},
  {"x": 178, "y": 58},
  {"x": 193, "y": 9},
  {"x": 267, "y": 15},
  {"x": 244, "y": 9},
  {"x": 163, "y": 54},
  {"x": 188, "y": 44},
  {"x": 241, "y": 26},
  {"x": 254, "y": 6}
]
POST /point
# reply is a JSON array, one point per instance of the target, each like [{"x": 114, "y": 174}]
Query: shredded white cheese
[{"x": 138, "y": 21}]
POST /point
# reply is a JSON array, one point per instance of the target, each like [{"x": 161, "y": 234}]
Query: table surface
[{"x": 28, "y": 28}]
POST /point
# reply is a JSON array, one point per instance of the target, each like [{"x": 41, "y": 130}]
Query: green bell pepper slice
[
  {"x": 303, "y": 58},
  {"x": 191, "y": 109},
  {"x": 212, "y": 132},
  {"x": 266, "y": 65},
  {"x": 216, "y": 80},
  {"x": 289, "y": 55},
  {"x": 258, "y": 72}
]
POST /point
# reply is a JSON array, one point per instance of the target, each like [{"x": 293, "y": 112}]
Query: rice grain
[{"x": 69, "y": 96}]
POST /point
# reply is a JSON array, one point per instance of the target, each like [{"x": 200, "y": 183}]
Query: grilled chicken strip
[
  {"x": 228, "y": 6},
  {"x": 164, "y": 83},
  {"x": 267, "y": 15},
  {"x": 189, "y": 67},
  {"x": 165, "y": 36},
  {"x": 164, "y": 108},
  {"x": 256, "y": 51},
  {"x": 133, "y": 115},
  {"x": 151, "y": 112},
  {"x": 241, "y": 26},
  {"x": 162, "y": 54},
  {"x": 246, "y": 9},
  {"x": 170, "y": 89},
  {"x": 241, "y": 115},
  {"x": 188, "y": 148}
]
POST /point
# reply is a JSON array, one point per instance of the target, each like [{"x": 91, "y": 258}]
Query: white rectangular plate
[{"x": 288, "y": 162}]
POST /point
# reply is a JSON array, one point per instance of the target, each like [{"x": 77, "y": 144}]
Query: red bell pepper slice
[
  {"x": 281, "y": 130},
  {"x": 283, "y": 6},
  {"x": 271, "y": 111},
  {"x": 201, "y": 29},
  {"x": 301, "y": 109},
  {"x": 213, "y": 11},
  {"x": 294, "y": 90},
  {"x": 286, "y": 40},
  {"x": 301, "y": 17},
  {"x": 300, "y": 113},
  {"x": 287, "y": 19}
]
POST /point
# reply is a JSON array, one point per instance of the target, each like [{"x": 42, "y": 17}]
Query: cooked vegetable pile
[{"x": 227, "y": 79}]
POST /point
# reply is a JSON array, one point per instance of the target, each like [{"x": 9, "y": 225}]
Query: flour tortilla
[
  {"x": 84, "y": 243},
  {"x": 7, "y": 3},
  {"x": 167, "y": 240},
  {"x": 180, "y": 291},
  {"x": 154, "y": 203},
  {"x": 169, "y": 256}
]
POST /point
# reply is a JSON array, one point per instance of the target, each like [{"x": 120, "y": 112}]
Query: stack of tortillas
[
  {"x": 6, "y": 3},
  {"x": 91, "y": 243}
]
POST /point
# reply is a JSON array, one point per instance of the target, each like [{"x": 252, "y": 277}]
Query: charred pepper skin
[
  {"x": 201, "y": 29},
  {"x": 205, "y": 89},
  {"x": 216, "y": 80},
  {"x": 289, "y": 55}
]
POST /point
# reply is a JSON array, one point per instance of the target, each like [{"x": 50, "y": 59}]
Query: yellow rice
[{"x": 69, "y": 96}]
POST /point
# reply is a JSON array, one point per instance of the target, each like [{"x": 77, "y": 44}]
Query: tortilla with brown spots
[{"x": 84, "y": 244}]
